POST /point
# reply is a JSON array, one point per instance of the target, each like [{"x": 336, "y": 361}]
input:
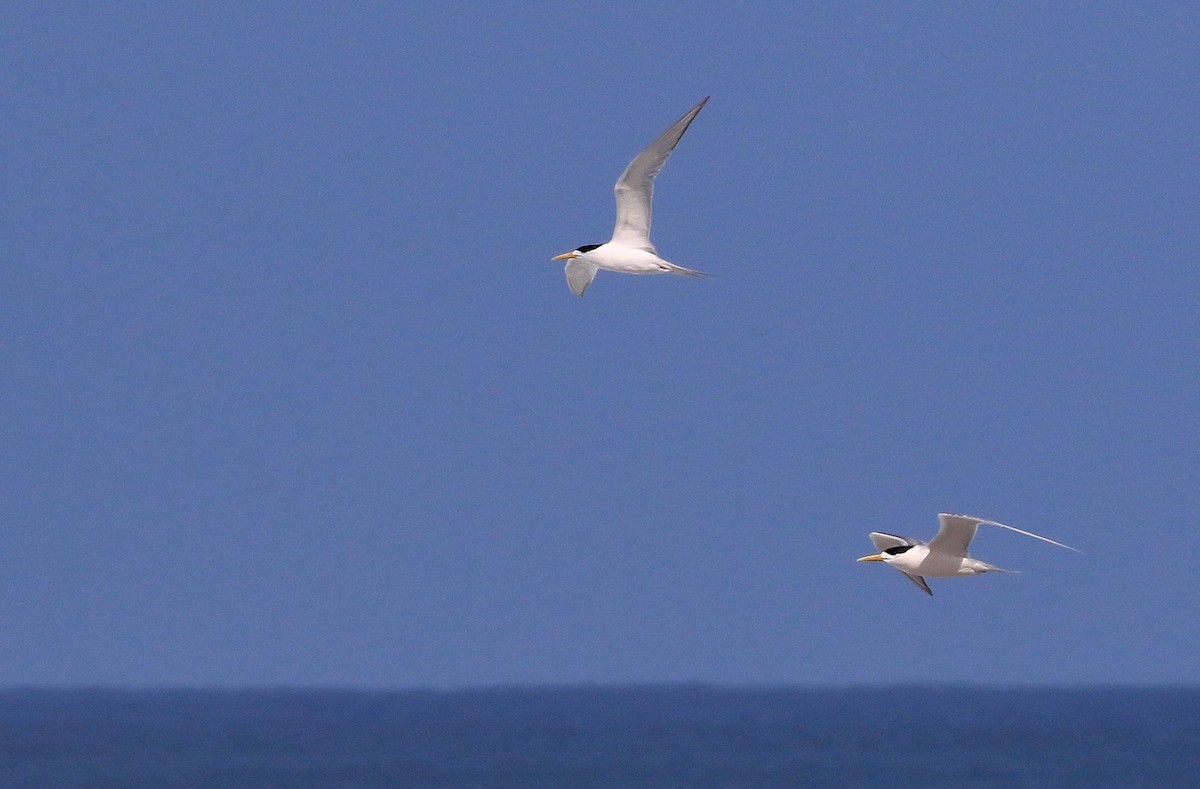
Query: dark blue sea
[{"x": 637, "y": 736}]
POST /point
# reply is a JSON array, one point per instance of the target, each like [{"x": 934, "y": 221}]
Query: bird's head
[
  {"x": 583, "y": 250},
  {"x": 887, "y": 555}
]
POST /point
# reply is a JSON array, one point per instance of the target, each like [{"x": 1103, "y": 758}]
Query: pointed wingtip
[{"x": 1010, "y": 528}]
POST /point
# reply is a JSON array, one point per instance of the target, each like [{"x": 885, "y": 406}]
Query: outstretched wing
[
  {"x": 883, "y": 541},
  {"x": 956, "y": 531},
  {"x": 635, "y": 187},
  {"x": 579, "y": 275}
]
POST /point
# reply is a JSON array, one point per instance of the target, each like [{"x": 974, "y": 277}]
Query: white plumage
[
  {"x": 945, "y": 556},
  {"x": 629, "y": 251}
]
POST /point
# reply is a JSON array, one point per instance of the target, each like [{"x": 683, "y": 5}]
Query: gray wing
[
  {"x": 579, "y": 275},
  {"x": 883, "y": 541},
  {"x": 919, "y": 581},
  {"x": 635, "y": 187},
  {"x": 956, "y": 531}
]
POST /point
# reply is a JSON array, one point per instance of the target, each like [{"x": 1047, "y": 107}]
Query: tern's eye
[{"x": 896, "y": 551}]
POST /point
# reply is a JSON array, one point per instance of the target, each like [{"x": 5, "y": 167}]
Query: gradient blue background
[{"x": 290, "y": 392}]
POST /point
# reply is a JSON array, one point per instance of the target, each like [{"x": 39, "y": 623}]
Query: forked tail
[{"x": 685, "y": 271}]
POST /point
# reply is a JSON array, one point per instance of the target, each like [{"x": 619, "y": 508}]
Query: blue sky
[{"x": 292, "y": 393}]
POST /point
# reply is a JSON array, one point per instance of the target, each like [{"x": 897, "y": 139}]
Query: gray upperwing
[
  {"x": 955, "y": 533},
  {"x": 883, "y": 540},
  {"x": 634, "y": 190}
]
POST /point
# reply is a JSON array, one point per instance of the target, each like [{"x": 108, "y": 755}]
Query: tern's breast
[
  {"x": 940, "y": 565},
  {"x": 626, "y": 260}
]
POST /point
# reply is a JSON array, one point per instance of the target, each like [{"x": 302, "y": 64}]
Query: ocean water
[{"x": 637, "y": 736}]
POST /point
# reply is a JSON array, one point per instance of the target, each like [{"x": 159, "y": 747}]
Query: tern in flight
[
  {"x": 945, "y": 556},
  {"x": 629, "y": 250}
]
